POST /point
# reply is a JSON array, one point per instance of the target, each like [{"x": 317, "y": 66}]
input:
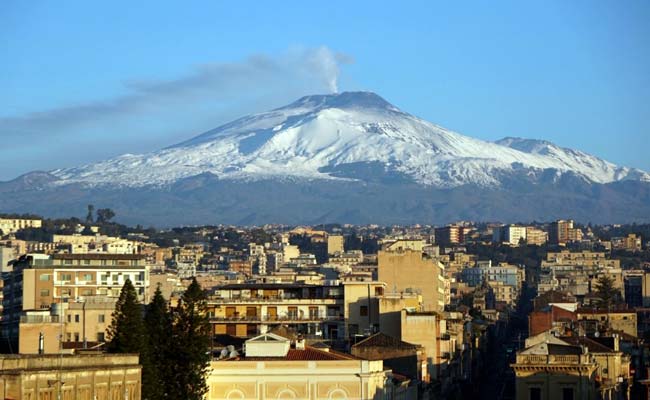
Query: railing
[
  {"x": 223, "y": 300},
  {"x": 38, "y": 319},
  {"x": 273, "y": 318},
  {"x": 551, "y": 359}
]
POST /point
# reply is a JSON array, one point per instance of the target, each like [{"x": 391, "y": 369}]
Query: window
[
  {"x": 69, "y": 318},
  {"x": 567, "y": 393},
  {"x": 379, "y": 291},
  {"x": 88, "y": 277},
  {"x": 45, "y": 292},
  {"x": 76, "y": 318},
  {"x": 66, "y": 277},
  {"x": 87, "y": 292},
  {"x": 76, "y": 336},
  {"x": 101, "y": 318},
  {"x": 535, "y": 394},
  {"x": 44, "y": 277},
  {"x": 65, "y": 292},
  {"x": 100, "y": 337},
  {"x": 363, "y": 311}
]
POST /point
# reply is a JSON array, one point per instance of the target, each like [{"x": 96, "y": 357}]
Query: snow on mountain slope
[{"x": 320, "y": 133}]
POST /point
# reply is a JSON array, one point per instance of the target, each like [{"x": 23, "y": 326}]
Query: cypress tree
[
  {"x": 159, "y": 327},
  {"x": 191, "y": 345},
  {"x": 127, "y": 332}
]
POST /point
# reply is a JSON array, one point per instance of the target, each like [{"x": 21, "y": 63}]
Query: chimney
[{"x": 300, "y": 343}]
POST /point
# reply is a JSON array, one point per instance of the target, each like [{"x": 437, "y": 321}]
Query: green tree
[
  {"x": 89, "y": 216},
  {"x": 158, "y": 323},
  {"x": 191, "y": 345},
  {"x": 608, "y": 294},
  {"x": 104, "y": 215},
  {"x": 127, "y": 331}
]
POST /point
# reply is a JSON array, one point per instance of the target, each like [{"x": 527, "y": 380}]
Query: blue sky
[{"x": 82, "y": 81}]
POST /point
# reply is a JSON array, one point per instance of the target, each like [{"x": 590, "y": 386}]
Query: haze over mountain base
[{"x": 207, "y": 200}]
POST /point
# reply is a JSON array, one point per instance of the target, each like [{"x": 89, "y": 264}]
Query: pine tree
[
  {"x": 191, "y": 345},
  {"x": 609, "y": 295},
  {"x": 159, "y": 327}
]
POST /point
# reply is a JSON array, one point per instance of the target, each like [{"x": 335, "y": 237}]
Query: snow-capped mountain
[
  {"x": 349, "y": 158},
  {"x": 342, "y": 137}
]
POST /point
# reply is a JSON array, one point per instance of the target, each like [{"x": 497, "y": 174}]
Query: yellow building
[
  {"x": 67, "y": 377},
  {"x": 272, "y": 369},
  {"x": 412, "y": 271}
]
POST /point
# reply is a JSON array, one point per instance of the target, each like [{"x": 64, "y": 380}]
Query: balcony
[
  {"x": 270, "y": 300},
  {"x": 553, "y": 359},
  {"x": 270, "y": 319},
  {"x": 38, "y": 319}
]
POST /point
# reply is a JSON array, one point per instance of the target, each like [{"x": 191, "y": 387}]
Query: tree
[
  {"x": 191, "y": 345},
  {"x": 158, "y": 323},
  {"x": 127, "y": 331},
  {"x": 104, "y": 215},
  {"x": 609, "y": 295},
  {"x": 89, "y": 216}
]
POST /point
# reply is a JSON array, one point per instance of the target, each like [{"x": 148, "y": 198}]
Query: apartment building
[
  {"x": 451, "y": 234},
  {"x": 38, "y": 281},
  {"x": 335, "y": 244},
  {"x": 509, "y": 234},
  {"x": 414, "y": 272},
  {"x": 562, "y": 231},
  {"x": 536, "y": 236},
  {"x": 249, "y": 309},
  {"x": 13, "y": 225}
]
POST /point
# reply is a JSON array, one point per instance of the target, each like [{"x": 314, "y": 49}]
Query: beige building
[
  {"x": 555, "y": 370},
  {"x": 68, "y": 377},
  {"x": 623, "y": 321},
  {"x": 83, "y": 324},
  {"x": 412, "y": 271},
  {"x": 361, "y": 307},
  {"x": 574, "y": 367},
  {"x": 335, "y": 244},
  {"x": 13, "y": 225},
  {"x": 50, "y": 283},
  {"x": 403, "y": 244},
  {"x": 271, "y": 368},
  {"x": 536, "y": 236}
]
